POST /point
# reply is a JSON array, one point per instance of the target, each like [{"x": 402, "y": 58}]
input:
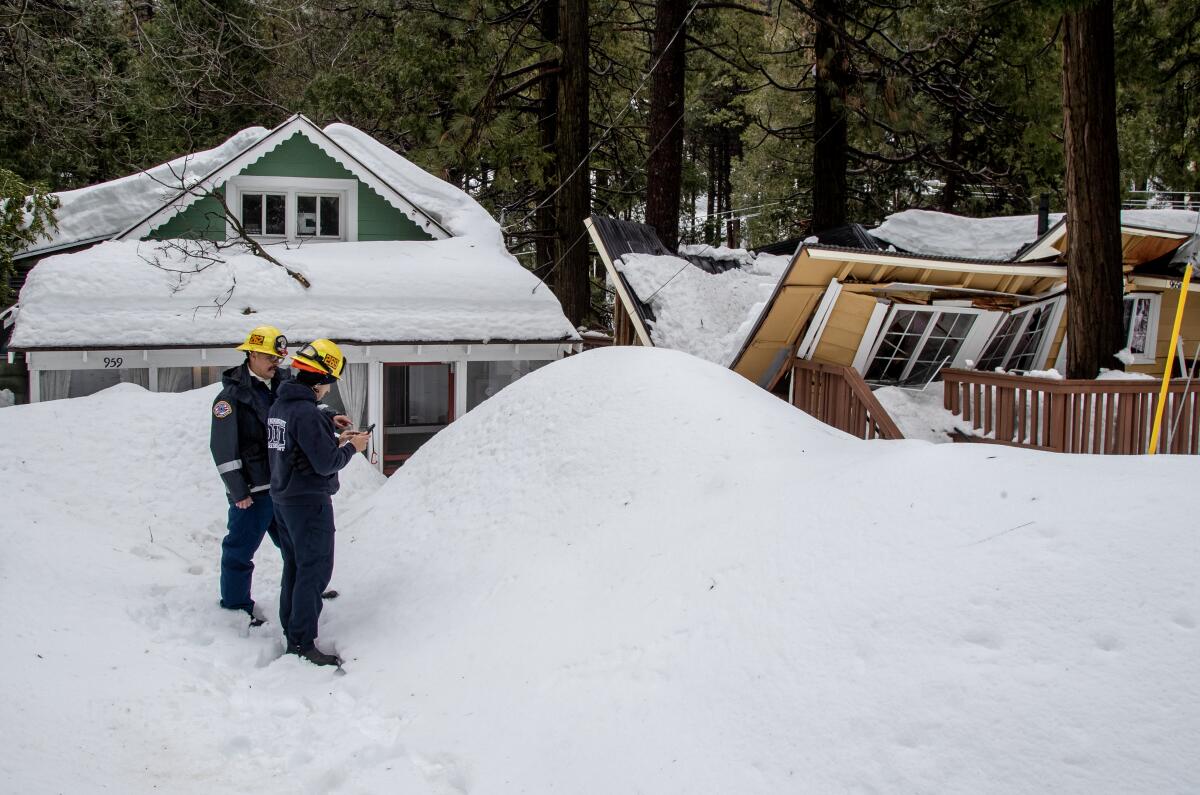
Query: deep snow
[
  {"x": 629, "y": 571},
  {"x": 701, "y": 313},
  {"x": 113, "y": 295}
]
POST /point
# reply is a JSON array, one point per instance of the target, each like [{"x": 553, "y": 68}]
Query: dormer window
[
  {"x": 264, "y": 214},
  {"x": 295, "y": 209},
  {"x": 318, "y": 216}
]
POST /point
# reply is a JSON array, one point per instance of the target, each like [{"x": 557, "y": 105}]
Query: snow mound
[
  {"x": 747, "y": 601},
  {"x": 629, "y": 571},
  {"x": 705, "y": 314}
]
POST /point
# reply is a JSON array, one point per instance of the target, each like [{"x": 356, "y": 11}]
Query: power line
[
  {"x": 610, "y": 127},
  {"x": 582, "y": 235}
]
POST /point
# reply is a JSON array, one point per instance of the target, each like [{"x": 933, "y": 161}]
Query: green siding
[
  {"x": 203, "y": 220},
  {"x": 298, "y": 157}
]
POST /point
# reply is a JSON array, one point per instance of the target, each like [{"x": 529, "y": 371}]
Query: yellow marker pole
[{"x": 1166, "y": 382}]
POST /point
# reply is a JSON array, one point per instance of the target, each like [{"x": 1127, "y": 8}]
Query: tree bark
[
  {"x": 1095, "y": 322},
  {"x": 546, "y": 223},
  {"x": 830, "y": 146},
  {"x": 569, "y": 279},
  {"x": 664, "y": 168}
]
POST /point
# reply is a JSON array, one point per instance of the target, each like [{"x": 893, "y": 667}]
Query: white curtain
[
  {"x": 136, "y": 375},
  {"x": 55, "y": 384},
  {"x": 174, "y": 379},
  {"x": 353, "y": 390}
]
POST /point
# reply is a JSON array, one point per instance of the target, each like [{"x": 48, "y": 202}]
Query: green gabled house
[{"x": 153, "y": 279}]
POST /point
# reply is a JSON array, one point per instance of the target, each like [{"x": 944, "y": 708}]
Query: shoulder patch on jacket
[{"x": 222, "y": 409}]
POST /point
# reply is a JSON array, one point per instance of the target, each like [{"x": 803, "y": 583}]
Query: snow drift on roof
[
  {"x": 451, "y": 207},
  {"x": 107, "y": 209},
  {"x": 1181, "y": 221},
  {"x": 704, "y": 314},
  {"x": 946, "y": 235},
  {"x": 1001, "y": 237},
  {"x": 455, "y": 289}
]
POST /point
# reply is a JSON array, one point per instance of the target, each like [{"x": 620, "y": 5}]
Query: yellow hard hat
[
  {"x": 320, "y": 356},
  {"x": 265, "y": 339}
]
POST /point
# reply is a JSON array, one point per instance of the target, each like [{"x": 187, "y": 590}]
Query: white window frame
[
  {"x": 237, "y": 209},
  {"x": 980, "y": 330},
  {"x": 345, "y": 189},
  {"x": 1147, "y": 356},
  {"x": 1054, "y": 320},
  {"x": 318, "y": 196}
]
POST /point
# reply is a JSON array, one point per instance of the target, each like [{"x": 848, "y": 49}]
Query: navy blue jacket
[
  {"x": 303, "y": 449},
  {"x": 238, "y": 439}
]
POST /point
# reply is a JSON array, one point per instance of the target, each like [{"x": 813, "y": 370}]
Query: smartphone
[{"x": 368, "y": 429}]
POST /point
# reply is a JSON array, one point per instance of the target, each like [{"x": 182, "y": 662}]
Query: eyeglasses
[{"x": 269, "y": 357}]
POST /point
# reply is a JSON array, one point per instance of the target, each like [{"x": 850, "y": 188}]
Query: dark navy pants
[
  {"x": 306, "y": 541},
  {"x": 246, "y": 529}
]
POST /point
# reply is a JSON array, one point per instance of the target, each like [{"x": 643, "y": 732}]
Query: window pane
[
  {"x": 330, "y": 216},
  {"x": 485, "y": 379},
  {"x": 898, "y": 345},
  {"x": 997, "y": 348},
  {"x": 1025, "y": 352},
  {"x": 949, "y": 331},
  {"x": 306, "y": 215},
  {"x": 1137, "y": 323},
  {"x": 252, "y": 206},
  {"x": 276, "y": 214},
  {"x": 428, "y": 395}
]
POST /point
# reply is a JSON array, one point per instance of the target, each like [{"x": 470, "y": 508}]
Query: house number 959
[{"x": 113, "y": 361}]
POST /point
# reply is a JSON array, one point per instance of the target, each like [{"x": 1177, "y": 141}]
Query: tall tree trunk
[
  {"x": 546, "y": 223},
  {"x": 830, "y": 147},
  {"x": 952, "y": 188},
  {"x": 1094, "y": 280},
  {"x": 664, "y": 168},
  {"x": 569, "y": 280}
]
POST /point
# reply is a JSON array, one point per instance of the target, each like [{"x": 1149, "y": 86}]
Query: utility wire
[
  {"x": 611, "y": 126},
  {"x": 584, "y": 234}
]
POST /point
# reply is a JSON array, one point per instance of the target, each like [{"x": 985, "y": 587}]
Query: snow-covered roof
[
  {"x": 111, "y": 296},
  {"x": 101, "y": 211},
  {"x": 704, "y": 314},
  {"x": 453, "y": 208},
  {"x": 1000, "y": 237},
  {"x": 947, "y": 235},
  {"x": 131, "y": 206}
]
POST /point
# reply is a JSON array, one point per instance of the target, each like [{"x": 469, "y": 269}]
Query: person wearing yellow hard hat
[
  {"x": 238, "y": 441},
  {"x": 306, "y": 452}
]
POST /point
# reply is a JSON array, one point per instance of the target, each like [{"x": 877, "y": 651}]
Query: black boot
[{"x": 315, "y": 655}]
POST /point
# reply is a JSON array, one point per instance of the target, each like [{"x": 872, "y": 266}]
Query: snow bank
[
  {"x": 7, "y": 398},
  {"x": 457, "y": 289},
  {"x": 112, "y": 207},
  {"x": 947, "y": 235},
  {"x": 921, "y": 413},
  {"x": 120, "y": 671},
  {"x": 746, "y": 602},
  {"x": 704, "y": 314}
]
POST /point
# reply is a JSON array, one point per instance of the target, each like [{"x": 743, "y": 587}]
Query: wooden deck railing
[
  {"x": 1074, "y": 416},
  {"x": 838, "y": 396}
]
